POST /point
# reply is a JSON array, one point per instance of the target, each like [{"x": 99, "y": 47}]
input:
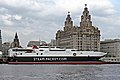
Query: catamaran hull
[
  {"x": 85, "y": 62},
  {"x": 55, "y": 60}
]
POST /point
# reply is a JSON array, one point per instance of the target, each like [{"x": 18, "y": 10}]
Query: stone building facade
[
  {"x": 112, "y": 47},
  {"x": 53, "y": 42},
  {"x": 33, "y": 43},
  {"x": 37, "y": 43},
  {"x": 85, "y": 37},
  {"x": 6, "y": 47}
]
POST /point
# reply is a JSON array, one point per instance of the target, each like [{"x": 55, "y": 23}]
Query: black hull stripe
[
  {"x": 88, "y": 62},
  {"x": 52, "y": 59}
]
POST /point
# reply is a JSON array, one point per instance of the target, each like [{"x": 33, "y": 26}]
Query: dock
[{"x": 111, "y": 60}]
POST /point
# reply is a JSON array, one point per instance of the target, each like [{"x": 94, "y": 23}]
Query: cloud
[
  {"x": 34, "y": 19},
  {"x": 6, "y": 19},
  {"x": 17, "y": 17}
]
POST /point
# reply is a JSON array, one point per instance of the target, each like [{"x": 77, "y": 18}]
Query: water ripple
[{"x": 59, "y": 72}]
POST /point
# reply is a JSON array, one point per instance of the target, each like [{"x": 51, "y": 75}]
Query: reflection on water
[{"x": 60, "y": 72}]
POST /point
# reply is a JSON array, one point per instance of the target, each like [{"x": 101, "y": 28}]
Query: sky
[{"x": 41, "y": 19}]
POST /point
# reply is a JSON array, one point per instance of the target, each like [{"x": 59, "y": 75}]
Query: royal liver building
[{"x": 85, "y": 37}]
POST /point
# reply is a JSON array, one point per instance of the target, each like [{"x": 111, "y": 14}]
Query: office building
[{"x": 83, "y": 37}]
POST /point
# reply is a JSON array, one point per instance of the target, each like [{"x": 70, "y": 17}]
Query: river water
[{"x": 60, "y": 72}]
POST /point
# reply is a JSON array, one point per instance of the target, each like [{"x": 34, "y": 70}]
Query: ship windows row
[{"x": 21, "y": 54}]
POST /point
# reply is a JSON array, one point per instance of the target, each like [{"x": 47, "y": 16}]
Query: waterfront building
[
  {"x": 112, "y": 47},
  {"x": 36, "y": 43},
  {"x": 16, "y": 42},
  {"x": 43, "y": 43},
  {"x": 53, "y": 42},
  {"x": 0, "y": 41},
  {"x": 84, "y": 37},
  {"x": 33, "y": 43},
  {"x": 6, "y": 46}
]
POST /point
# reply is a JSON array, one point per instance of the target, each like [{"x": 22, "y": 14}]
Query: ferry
[{"x": 53, "y": 55}]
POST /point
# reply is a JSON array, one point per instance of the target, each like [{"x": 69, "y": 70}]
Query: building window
[{"x": 87, "y": 30}]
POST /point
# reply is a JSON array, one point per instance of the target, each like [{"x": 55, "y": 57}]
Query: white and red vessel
[{"x": 53, "y": 55}]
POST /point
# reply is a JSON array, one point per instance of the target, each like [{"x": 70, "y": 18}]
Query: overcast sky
[{"x": 40, "y": 19}]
